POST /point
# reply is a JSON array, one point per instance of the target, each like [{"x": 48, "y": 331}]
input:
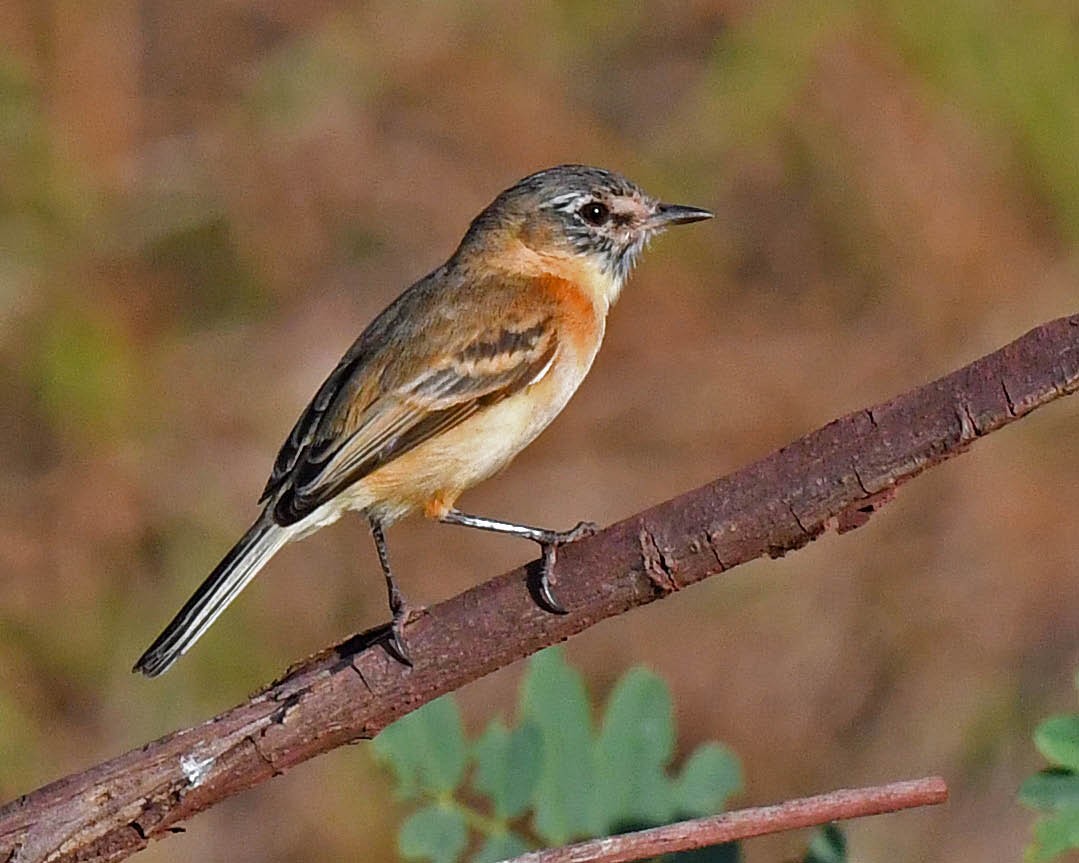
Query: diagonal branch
[
  {"x": 747, "y": 823},
  {"x": 835, "y": 477}
]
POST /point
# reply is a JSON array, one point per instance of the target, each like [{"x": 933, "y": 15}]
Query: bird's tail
[{"x": 213, "y": 596}]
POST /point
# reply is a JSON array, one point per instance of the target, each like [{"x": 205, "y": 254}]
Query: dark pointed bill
[{"x": 676, "y": 214}]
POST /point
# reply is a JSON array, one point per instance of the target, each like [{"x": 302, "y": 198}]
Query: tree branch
[
  {"x": 746, "y": 823},
  {"x": 835, "y": 477}
]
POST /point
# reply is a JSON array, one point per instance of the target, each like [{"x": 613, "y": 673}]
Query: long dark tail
[{"x": 213, "y": 596}]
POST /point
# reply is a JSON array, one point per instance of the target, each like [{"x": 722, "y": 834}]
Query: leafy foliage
[
  {"x": 426, "y": 750},
  {"x": 554, "y": 776},
  {"x": 1055, "y": 790},
  {"x": 828, "y": 845}
]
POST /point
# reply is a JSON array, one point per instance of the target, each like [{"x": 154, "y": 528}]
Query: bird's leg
[
  {"x": 398, "y": 605},
  {"x": 548, "y": 540}
]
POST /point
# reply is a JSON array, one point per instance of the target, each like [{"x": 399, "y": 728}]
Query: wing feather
[
  {"x": 342, "y": 441},
  {"x": 306, "y": 428}
]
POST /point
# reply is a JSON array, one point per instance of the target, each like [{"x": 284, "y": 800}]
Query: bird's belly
[{"x": 438, "y": 470}]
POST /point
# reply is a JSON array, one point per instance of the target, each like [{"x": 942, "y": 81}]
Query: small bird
[{"x": 452, "y": 380}]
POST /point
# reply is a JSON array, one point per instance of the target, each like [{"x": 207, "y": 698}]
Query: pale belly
[{"x": 432, "y": 475}]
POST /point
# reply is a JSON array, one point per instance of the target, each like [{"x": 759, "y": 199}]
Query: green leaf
[
  {"x": 433, "y": 833},
  {"x": 1058, "y": 740},
  {"x": 711, "y": 775},
  {"x": 828, "y": 845},
  {"x": 635, "y": 743},
  {"x": 426, "y": 749},
  {"x": 508, "y": 766},
  {"x": 505, "y": 846},
  {"x": 553, "y": 697},
  {"x": 1054, "y": 835},
  {"x": 1050, "y": 790}
]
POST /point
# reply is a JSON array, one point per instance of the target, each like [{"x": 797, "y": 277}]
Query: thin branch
[
  {"x": 745, "y": 823},
  {"x": 836, "y": 477}
]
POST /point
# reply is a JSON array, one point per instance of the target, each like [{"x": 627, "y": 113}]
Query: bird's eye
[{"x": 595, "y": 213}]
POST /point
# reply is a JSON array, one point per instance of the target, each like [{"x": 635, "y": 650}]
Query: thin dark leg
[
  {"x": 548, "y": 540},
  {"x": 398, "y": 605}
]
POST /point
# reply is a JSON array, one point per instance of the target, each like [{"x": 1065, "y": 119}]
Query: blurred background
[{"x": 203, "y": 202}]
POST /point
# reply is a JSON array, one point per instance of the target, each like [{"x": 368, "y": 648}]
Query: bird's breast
[{"x": 432, "y": 475}]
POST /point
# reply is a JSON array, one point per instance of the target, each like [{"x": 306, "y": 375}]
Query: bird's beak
[{"x": 676, "y": 214}]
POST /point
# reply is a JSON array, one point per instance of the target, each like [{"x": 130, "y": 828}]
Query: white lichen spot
[{"x": 195, "y": 769}]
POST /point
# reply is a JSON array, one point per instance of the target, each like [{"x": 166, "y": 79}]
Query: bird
[{"x": 450, "y": 382}]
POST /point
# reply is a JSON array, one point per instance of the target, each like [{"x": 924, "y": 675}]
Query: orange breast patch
[{"x": 579, "y": 319}]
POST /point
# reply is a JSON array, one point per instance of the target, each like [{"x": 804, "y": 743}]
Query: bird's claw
[
  {"x": 396, "y": 643},
  {"x": 583, "y": 529},
  {"x": 550, "y": 557}
]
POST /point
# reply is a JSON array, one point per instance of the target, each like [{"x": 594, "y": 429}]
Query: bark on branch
[
  {"x": 746, "y": 823},
  {"x": 835, "y": 477}
]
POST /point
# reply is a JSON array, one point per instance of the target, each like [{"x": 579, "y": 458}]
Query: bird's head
[{"x": 582, "y": 214}]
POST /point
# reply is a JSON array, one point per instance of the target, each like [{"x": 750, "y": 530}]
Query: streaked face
[
  {"x": 609, "y": 225},
  {"x": 596, "y": 213}
]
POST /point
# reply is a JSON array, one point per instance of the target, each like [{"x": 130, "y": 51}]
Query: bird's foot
[
  {"x": 550, "y": 543},
  {"x": 396, "y": 643}
]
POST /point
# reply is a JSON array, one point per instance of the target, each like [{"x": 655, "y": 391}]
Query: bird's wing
[
  {"x": 355, "y": 381},
  {"x": 306, "y": 428},
  {"x": 353, "y": 429}
]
